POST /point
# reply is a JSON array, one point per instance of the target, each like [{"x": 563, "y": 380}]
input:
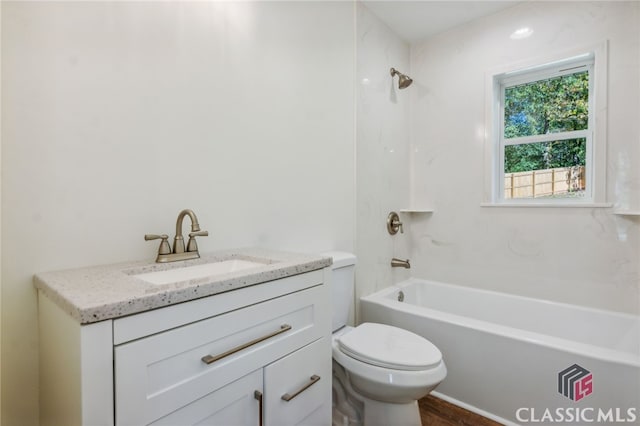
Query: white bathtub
[{"x": 504, "y": 353}]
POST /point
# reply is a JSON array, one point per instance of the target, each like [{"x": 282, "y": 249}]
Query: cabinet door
[
  {"x": 233, "y": 405},
  {"x": 298, "y": 387}
]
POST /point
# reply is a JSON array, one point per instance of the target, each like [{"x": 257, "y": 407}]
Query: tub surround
[
  {"x": 104, "y": 292},
  {"x": 583, "y": 256},
  {"x": 383, "y": 152}
]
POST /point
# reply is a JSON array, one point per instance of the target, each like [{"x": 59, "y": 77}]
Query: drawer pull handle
[
  {"x": 288, "y": 397},
  {"x": 258, "y": 395},
  {"x": 208, "y": 359}
]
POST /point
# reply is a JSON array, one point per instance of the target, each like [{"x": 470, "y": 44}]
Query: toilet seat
[
  {"x": 382, "y": 383},
  {"x": 389, "y": 347}
]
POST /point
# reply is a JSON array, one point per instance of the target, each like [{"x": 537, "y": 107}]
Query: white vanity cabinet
[{"x": 259, "y": 355}]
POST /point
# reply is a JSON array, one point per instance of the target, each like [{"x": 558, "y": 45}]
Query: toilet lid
[{"x": 389, "y": 347}]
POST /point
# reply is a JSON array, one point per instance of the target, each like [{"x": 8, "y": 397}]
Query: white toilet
[{"x": 379, "y": 371}]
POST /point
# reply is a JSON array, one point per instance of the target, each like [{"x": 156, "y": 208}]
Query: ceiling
[{"x": 418, "y": 20}]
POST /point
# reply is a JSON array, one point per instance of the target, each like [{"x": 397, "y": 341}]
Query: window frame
[
  {"x": 594, "y": 60},
  {"x": 557, "y": 69}
]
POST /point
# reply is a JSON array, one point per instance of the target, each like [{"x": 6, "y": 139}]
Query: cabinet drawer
[
  {"x": 298, "y": 387},
  {"x": 156, "y": 321},
  {"x": 159, "y": 374}
]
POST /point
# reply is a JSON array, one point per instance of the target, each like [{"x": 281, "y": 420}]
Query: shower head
[{"x": 404, "y": 81}]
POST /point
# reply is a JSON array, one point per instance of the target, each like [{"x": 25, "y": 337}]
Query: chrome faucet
[
  {"x": 399, "y": 263},
  {"x": 165, "y": 254}
]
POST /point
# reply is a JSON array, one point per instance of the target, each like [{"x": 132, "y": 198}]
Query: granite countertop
[{"x": 99, "y": 293}]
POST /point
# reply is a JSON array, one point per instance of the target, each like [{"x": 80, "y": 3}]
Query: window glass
[
  {"x": 552, "y": 105},
  {"x": 545, "y": 169}
]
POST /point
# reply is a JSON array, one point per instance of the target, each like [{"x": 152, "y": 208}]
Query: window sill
[
  {"x": 416, "y": 210},
  {"x": 627, "y": 212},
  {"x": 552, "y": 205}
]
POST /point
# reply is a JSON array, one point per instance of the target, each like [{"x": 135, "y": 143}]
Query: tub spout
[{"x": 399, "y": 263}]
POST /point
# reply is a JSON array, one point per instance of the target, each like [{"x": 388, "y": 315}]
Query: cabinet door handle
[
  {"x": 258, "y": 395},
  {"x": 288, "y": 397},
  {"x": 208, "y": 359}
]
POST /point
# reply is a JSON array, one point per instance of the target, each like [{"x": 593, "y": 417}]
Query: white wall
[
  {"x": 584, "y": 256},
  {"x": 118, "y": 115},
  {"x": 382, "y": 157}
]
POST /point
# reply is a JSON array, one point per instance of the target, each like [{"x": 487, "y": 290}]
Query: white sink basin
[{"x": 198, "y": 271}]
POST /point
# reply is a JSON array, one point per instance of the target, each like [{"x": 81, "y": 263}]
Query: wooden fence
[{"x": 544, "y": 183}]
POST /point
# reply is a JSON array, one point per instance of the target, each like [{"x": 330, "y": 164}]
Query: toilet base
[
  {"x": 378, "y": 413},
  {"x": 351, "y": 408}
]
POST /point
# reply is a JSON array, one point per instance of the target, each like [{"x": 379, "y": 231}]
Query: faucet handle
[
  {"x": 199, "y": 234},
  {"x": 192, "y": 245},
  {"x": 393, "y": 224},
  {"x": 164, "y": 244}
]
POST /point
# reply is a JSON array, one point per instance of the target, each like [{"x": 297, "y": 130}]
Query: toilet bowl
[
  {"x": 380, "y": 371},
  {"x": 388, "y": 370}
]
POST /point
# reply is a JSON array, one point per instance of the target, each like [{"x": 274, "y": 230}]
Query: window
[{"x": 545, "y": 147}]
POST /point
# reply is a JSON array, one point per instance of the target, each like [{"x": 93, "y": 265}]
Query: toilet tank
[{"x": 342, "y": 287}]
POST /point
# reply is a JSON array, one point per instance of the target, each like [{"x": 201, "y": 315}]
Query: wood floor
[{"x": 436, "y": 412}]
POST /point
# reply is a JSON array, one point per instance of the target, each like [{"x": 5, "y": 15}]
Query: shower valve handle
[{"x": 394, "y": 224}]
